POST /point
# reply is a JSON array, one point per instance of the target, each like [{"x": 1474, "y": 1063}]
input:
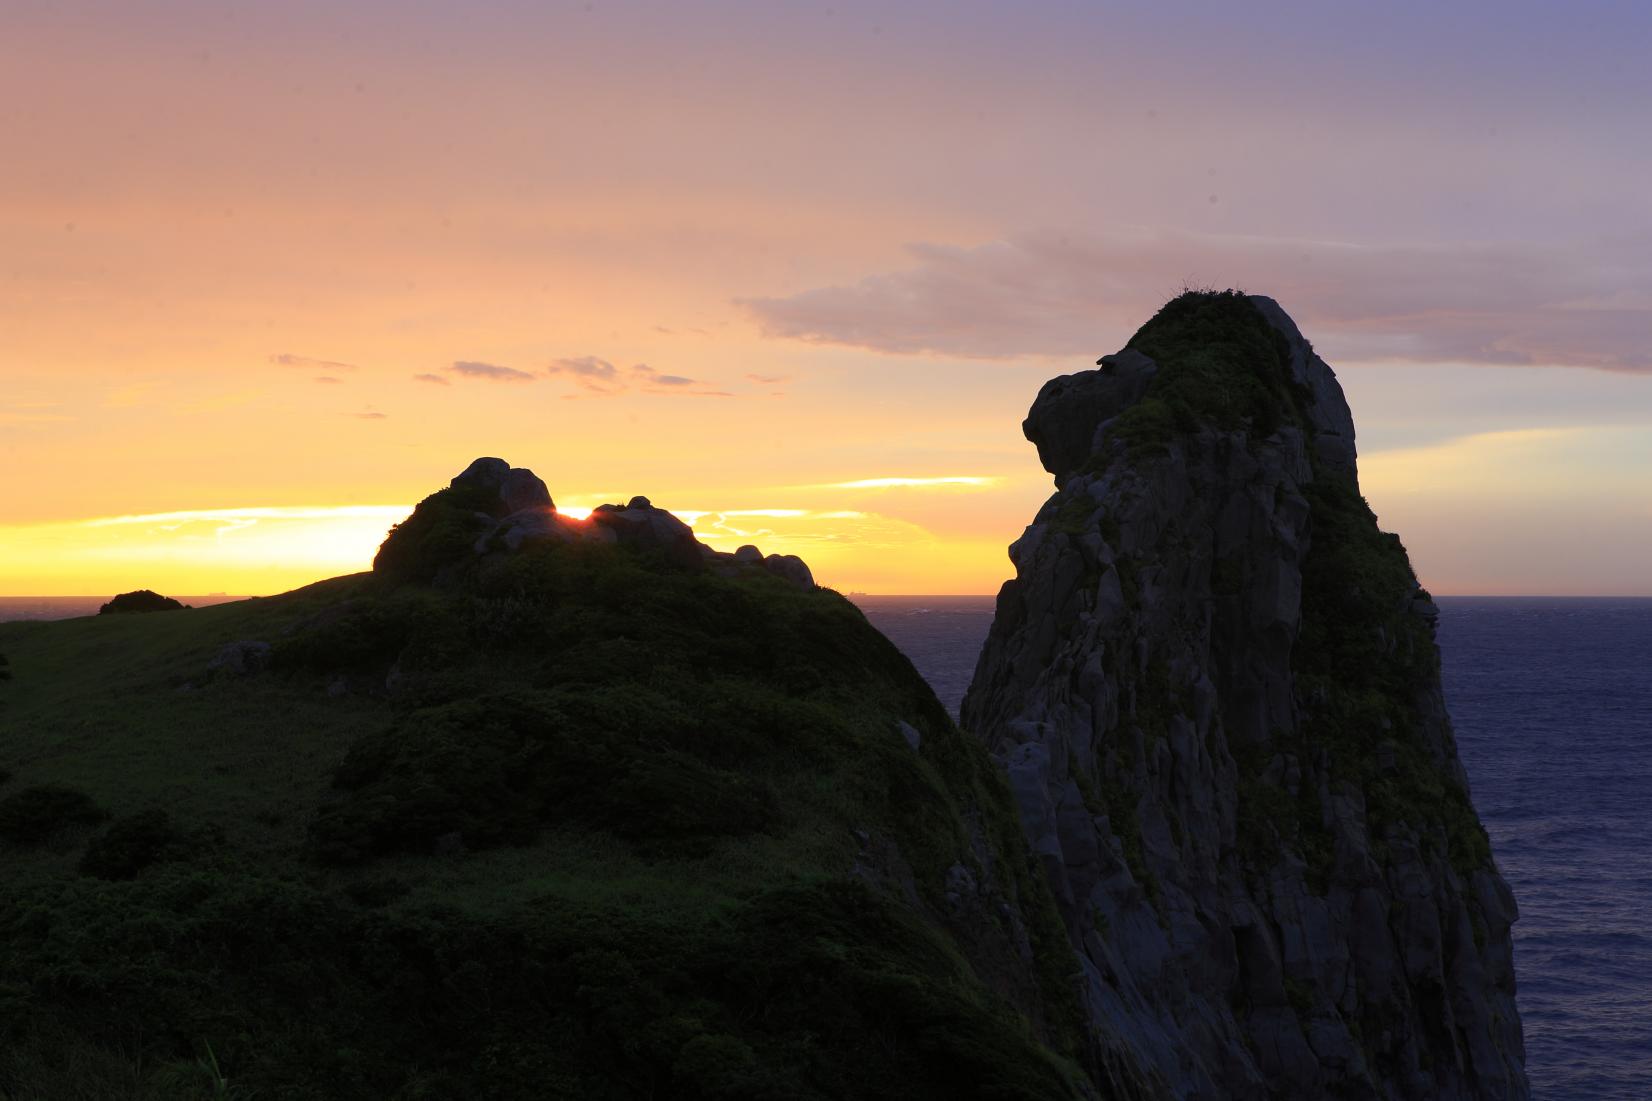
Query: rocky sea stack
[{"x": 1215, "y": 687}]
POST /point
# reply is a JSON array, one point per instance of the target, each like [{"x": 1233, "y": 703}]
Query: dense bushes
[
  {"x": 492, "y": 769},
  {"x": 1219, "y": 363},
  {"x": 819, "y": 991},
  {"x": 438, "y": 537},
  {"x": 32, "y": 816},
  {"x": 130, "y": 845},
  {"x": 141, "y": 600}
]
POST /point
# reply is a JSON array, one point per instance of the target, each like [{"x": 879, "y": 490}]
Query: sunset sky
[{"x": 272, "y": 272}]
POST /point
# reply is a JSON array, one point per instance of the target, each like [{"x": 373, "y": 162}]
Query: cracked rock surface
[{"x": 1214, "y": 686}]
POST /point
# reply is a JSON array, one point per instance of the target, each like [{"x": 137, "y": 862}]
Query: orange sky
[{"x": 741, "y": 258}]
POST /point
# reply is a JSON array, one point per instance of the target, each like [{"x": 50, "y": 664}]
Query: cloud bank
[{"x": 1053, "y": 294}]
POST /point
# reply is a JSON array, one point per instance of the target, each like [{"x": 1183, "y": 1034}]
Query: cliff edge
[{"x": 1215, "y": 687}]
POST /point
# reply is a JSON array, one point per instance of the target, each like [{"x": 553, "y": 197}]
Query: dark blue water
[{"x": 1552, "y": 702}]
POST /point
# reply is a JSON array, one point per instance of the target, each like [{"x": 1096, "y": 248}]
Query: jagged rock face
[{"x": 1215, "y": 688}]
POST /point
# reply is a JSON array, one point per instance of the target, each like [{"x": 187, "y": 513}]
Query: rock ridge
[
  {"x": 492, "y": 508},
  {"x": 1215, "y": 689}
]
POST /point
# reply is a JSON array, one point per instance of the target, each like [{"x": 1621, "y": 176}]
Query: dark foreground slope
[
  {"x": 1215, "y": 685},
  {"x": 538, "y": 809}
]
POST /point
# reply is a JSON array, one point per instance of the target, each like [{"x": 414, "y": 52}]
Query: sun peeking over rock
[{"x": 492, "y": 509}]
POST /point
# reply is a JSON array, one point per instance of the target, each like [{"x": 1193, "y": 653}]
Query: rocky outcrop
[
  {"x": 492, "y": 508},
  {"x": 141, "y": 600},
  {"x": 1215, "y": 688}
]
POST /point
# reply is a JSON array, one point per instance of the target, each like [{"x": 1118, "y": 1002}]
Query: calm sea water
[
  {"x": 68, "y": 607},
  {"x": 1552, "y": 702}
]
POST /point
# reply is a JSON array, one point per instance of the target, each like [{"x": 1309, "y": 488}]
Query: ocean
[{"x": 1552, "y": 704}]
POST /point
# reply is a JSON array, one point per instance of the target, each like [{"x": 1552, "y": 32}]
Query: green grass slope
[{"x": 577, "y": 823}]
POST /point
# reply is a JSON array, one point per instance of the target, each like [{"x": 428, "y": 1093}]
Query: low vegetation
[{"x": 569, "y": 824}]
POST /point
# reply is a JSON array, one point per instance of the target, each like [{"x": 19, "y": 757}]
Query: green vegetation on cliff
[
  {"x": 583, "y": 825},
  {"x": 1363, "y": 649},
  {"x": 1219, "y": 363}
]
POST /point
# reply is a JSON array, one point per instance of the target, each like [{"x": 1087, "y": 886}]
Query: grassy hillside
[{"x": 580, "y": 823}]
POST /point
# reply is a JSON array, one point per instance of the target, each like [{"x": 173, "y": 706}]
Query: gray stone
[
  {"x": 913, "y": 736},
  {"x": 239, "y": 659},
  {"x": 484, "y": 473},
  {"x": 521, "y": 489},
  {"x": 1143, "y": 656},
  {"x": 748, "y": 554},
  {"x": 790, "y": 567}
]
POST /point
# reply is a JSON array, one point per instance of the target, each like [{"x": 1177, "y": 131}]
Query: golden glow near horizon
[
  {"x": 263, "y": 265},
  {"x": 262, "y": 550}
]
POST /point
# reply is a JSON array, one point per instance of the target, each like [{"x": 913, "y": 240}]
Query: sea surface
[
  {"x": 1552, "y": 704},
  {"x": 68, "y": 607}
]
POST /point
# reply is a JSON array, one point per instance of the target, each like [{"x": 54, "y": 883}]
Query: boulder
[
  {"x": 484, "y": 473},
  {"x": 240, "y": 659},
  {"x": 790, "y": 567},
  {"x": 522, "y": 489}
]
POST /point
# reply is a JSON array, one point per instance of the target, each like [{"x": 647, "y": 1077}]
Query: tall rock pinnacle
[{"x": 1215, "y": 687}]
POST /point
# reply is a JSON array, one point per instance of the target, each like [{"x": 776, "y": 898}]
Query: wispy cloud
[
  {"x": 654, "y": 378},
  {"x": 967, "y": 481},
  {"x": 599, "y": 377},
  {"x": 1586, "y": 304},
  {"x": 327, "y": 380},
  {"x": 277, "y": 512},
  {"x": 434, "y": 380},
  {"x": 287, "y": 359},
  {"x": 591, "y": 372},
  {"x": 492, "y": 372},
  {"x": 372, "y": 416},
  {"x": 768, "y": 380}
]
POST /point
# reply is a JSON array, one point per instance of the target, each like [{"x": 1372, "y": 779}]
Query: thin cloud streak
[
  {"x": 492, "y": 372},
  {"x": 911, "y": 483},
  {"x": 1052, "y": 294},
  {"x": 392, "y": 513},
  {"x": 287, "y": 359},
  {"x": 599, "y": 377}
]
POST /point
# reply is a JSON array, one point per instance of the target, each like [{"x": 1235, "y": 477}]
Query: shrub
[
  {"x": 141, "y": 600},
  {"x": 491, "y": 770},
  {"x": 130, "y": 845},
  {"x": 438, "y": 537},
  {"x": 1220, "y": 363},
  {"x": 33, "y": 815}
]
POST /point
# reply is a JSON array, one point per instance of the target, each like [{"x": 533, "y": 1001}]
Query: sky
[{"x": 271, "y": 273}]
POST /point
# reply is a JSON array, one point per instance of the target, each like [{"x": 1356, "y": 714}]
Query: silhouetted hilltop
[
  {"x": 538, "y": 808},
  {"x": 492, "y": 509},
  {"x": 141, "y": 600},
  {"x": 1215, "y": 687}
]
